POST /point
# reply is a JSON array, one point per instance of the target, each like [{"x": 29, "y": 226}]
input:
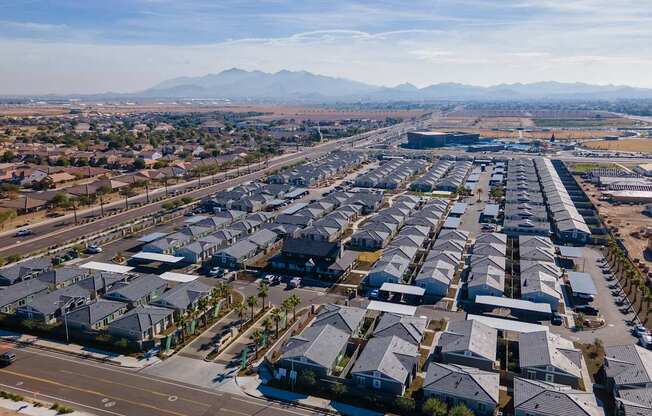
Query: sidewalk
[
  {"x": 26, "y": 408},
  {"x": 254, "y": 387},
  {"x": 77, "y": 350}
]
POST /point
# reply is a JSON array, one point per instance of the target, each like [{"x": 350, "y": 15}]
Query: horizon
[{"x": 65, "y": 48}]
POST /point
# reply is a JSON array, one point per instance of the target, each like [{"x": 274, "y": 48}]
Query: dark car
[
  {"x": 556, "y": 319},
  {"x": 7, "y": 358},
  {"x": 587, "y": 310}
]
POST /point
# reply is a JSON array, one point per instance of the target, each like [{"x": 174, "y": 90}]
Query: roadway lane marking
[
  {"x": 96, "y": 393},
  {"x": 235, "y": 412},
  {"x": 59, "y": 356},
  {"x": 166, "y": 395},
  {"x": 59, "y": 399},
  {"x": 268, "y": 405}
]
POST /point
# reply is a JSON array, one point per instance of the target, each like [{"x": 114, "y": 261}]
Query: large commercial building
[{"x": 430, "y": 139}]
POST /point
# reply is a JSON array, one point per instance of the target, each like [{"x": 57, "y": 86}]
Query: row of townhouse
[
  {"x": 443, "y": 262},
  {"x": 429, "y": 181},
  {"x": 463, "y": 370},
  {"x": 456, "y": 177},
  {"x": 401, "y": 252},
  {"x": 319, "y": 170},
  {"x": 539, "y": 274},
  {"x": 525, "y": 210},
  {"x": 627, "y": 371},
  {"x": 568, "y": 224},
  {"x": 93, "y": 301},
  {"x": 390, "y": 175},
  {"x": 487, "y": 266},
  {"x": 251, "y": 197}
]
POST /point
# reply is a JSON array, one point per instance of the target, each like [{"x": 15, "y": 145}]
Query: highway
[
  {"x": 52, "y": 232},
  {"x": 106, "y": 390}
]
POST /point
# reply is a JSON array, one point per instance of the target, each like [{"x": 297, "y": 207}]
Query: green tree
[
  {"x": 461, "y": 410},
  {"x": 276, "y": 317},
  {"x": 294, "y": 301},
  {"x": 6, "y": 216},
  {"x": 240, "y": 308},
  {"x": 338, "y": 390},
  {"x": 263, "y": 291},
  {"x": 252, "y": 302},
  {"x": 101, "y": 191},
  {"x": 405, "y": 405},
  {"x": 286, "y": 307},
  {"x": 307, "y": 379},
  {"x": 434, "y": 407},
  {"x": 60, "y": 200},
  {"x": 139, "y": 164},
  {"x": 267, "y": 325}
]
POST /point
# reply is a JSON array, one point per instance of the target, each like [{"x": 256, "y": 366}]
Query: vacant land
[
  {"x": 580, "y": 168},
  {"x": 624, "y": 145},
  {"x": 587, "y": 122}
]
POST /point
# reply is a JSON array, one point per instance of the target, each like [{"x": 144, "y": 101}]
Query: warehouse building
[{"x": 430, "y": 139}]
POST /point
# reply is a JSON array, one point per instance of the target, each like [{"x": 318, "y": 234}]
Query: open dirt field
[
  {"x": 625, "y": 145},
  {"x": 274, "y": 112}
]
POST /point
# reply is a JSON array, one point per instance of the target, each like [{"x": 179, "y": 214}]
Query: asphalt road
[
  {"x": 50, "y": 233},
  {"x": 106, "y": 390}
]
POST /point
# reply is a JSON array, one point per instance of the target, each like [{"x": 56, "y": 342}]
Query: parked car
[
  {"x": 615, "y": 292},
  {"x": 93, "y": 249},
  {"x": 374, "y": 294},
  {"x": 613, "y": 286},
  {"x": 294, "y": 282},
  {"x": 272, "y": 279},
  {"x": 556, "y": 319},
  {"x": 23, "y": 233},
  {"x": 7, "y": 358},
  {"x": 587, "y": 310},
  {"x": 620, "y": 301},
  {"x": 639, "y": 330},
  {"x": 646, "y": 341},
  {"x": 216, "y": 272}
]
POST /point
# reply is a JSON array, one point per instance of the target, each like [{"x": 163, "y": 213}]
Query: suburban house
[
  {"x": 387, "y": 364},
  {"x": 20, "y": 294},
  {"x": 628, "y": 371},
  {"x": 548, "y": 357},
  {"x": 456, "y": 384},
  {"x": 62, "y": 277},
  {"x": 141, "y": 324},
  {"x": 318, "y": 258},
  {"x": 235, "y": 256},
  {"x": 24, "y": 270},
  {"x": 539, "y": 398},
  {"x": 96, "y": 316},
  {"x": 410, "y": 328},
  {"x": 138, "y": 292},
  {"x": 47, "y": 307},
  {"x": 468, "y": 342},
  {"x": 98, "y": 283},
  {"x": 184, "y": 296}
]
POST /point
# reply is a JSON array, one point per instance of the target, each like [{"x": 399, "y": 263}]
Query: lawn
[
  {"x": 580, "y": 168},
  {"x": 593, "y": 355}
]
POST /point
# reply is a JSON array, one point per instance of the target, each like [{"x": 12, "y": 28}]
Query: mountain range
[{"x": 238, "y": 84}]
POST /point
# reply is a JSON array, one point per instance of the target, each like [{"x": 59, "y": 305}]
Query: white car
[
  {"x": 93, "y": 249},
  {"x": 646, "y": 341},
  {"x": 23, "y": 233}
]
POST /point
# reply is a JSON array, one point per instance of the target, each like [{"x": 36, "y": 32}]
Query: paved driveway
[{"x": 616, "y": 331}]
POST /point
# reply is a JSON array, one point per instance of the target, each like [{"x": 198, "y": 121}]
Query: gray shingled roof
[
  {"x": 410, "y": 328},
  {"x": 345, "y": 318},
  {"x": 20, "y": 291},
  {"x": 320, "y": 344},
  {"x": 544, "y": 348},
  {"x": 635, "y": 402},
  {"x": 19, "y": 270},
  {"x": 540, "y": 398},
  {"x": 463, "y": 382},
  {"x": 469, "y": 335},
  {"x": 141, "y": 319},
  {"x": 628, "y": 364},
  {"x": 137, "y": 288},
  {"x": 183, "y": 295},
  {"x": 94, "y": 312},
  {"x": 49, "y": 303},
  {"x": 62, "y": 275},
  {"x": 98, "y": 280},
  {"x": 391, "y": 356}
]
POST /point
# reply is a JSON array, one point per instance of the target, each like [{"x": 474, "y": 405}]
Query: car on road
[
  {"x": 216, "y": 272},
  {"x": 93, "y": 249},
  {"x": 23, "y": 233},
  {"x": 556, "y": 319},
  {"x": 7, "y": 358},
  {"x": 639, "y": 330},
  {"x": 272, "y": 279},
  {"x": 294, "y": 282}
]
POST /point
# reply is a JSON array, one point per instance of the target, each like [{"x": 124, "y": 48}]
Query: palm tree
[
  {"x": 182, "y": 323},
  {"x": 202, "y": 305},
  {"x": 257, "y": 337},
  {"x": 286, "y": 308},
  {"x": 263, "y": 291},
  {"x": 240, "y": 308},
  {"x": 479, "y": 191},
  {"x": 252, "y": 302},
  {"x": 276, "y": 317},
  {"x": 294, "y": 302},
  {"x": 224, "y": 290},
  {"x": 267, "y": 325}
]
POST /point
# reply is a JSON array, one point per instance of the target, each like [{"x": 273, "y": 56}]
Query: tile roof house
[
  {"x": 317, "y": 349},
  {"x": 184, "y": 296},
  {"x": 235, "y": 256},
  {"x": 388, "y": 364},
  {"x": 346, "y": 318},
  {"x": 548, "y": 357},
  {"x": 47, "y": 307},
  {"x": 468, "y": 342},
  {"x": 634, "y": 402},
  {"x": 453, "y": 384},
  {"x": 62, "y": 277},
  {"x": 24, "y": 270},
  {"x": 409, "y": 328},
  {"x": 627, "y": 367},
  {"x": 538, "y": 398},
  {"x": 20, "y": 294}
]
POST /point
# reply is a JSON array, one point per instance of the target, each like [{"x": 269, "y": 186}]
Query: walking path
[{"x": 77, "y": 350}]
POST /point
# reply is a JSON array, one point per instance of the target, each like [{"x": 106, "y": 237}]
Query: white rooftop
[
  {"x": 506, "y": 324},
  {"x": 513, "y": 303},
  {"x": 148, "y": 238},
  {"x": 376, "y": 305},
  {"x": 178, "y": 277},
  {"x": 194, "y": 219},
  {"x": 106, "y": 267},
  {"x": 405, "y": 289},
  {"x": 163, "y": 258}
]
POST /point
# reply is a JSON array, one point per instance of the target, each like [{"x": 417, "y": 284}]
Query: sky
[{"x": 75, "y": 46}]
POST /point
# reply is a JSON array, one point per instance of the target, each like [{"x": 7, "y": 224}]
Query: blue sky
[{"x": 66, "y": 46}]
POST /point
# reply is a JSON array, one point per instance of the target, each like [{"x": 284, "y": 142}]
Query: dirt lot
[
  {"x": 627, "y": 219},
  {"x": 627, "y": 145},
  {"x": 276, "y": 112}
]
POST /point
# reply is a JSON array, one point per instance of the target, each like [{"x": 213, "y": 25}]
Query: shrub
[
  {"x": 338, "y": 389},
  {"x": 307, "y": 379},
  {"x": 405, "y": 405},
  {"x": 461, "y": 410},
  {"x": 186, "y": 199},
  {"x": 434, "y": 407}
]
